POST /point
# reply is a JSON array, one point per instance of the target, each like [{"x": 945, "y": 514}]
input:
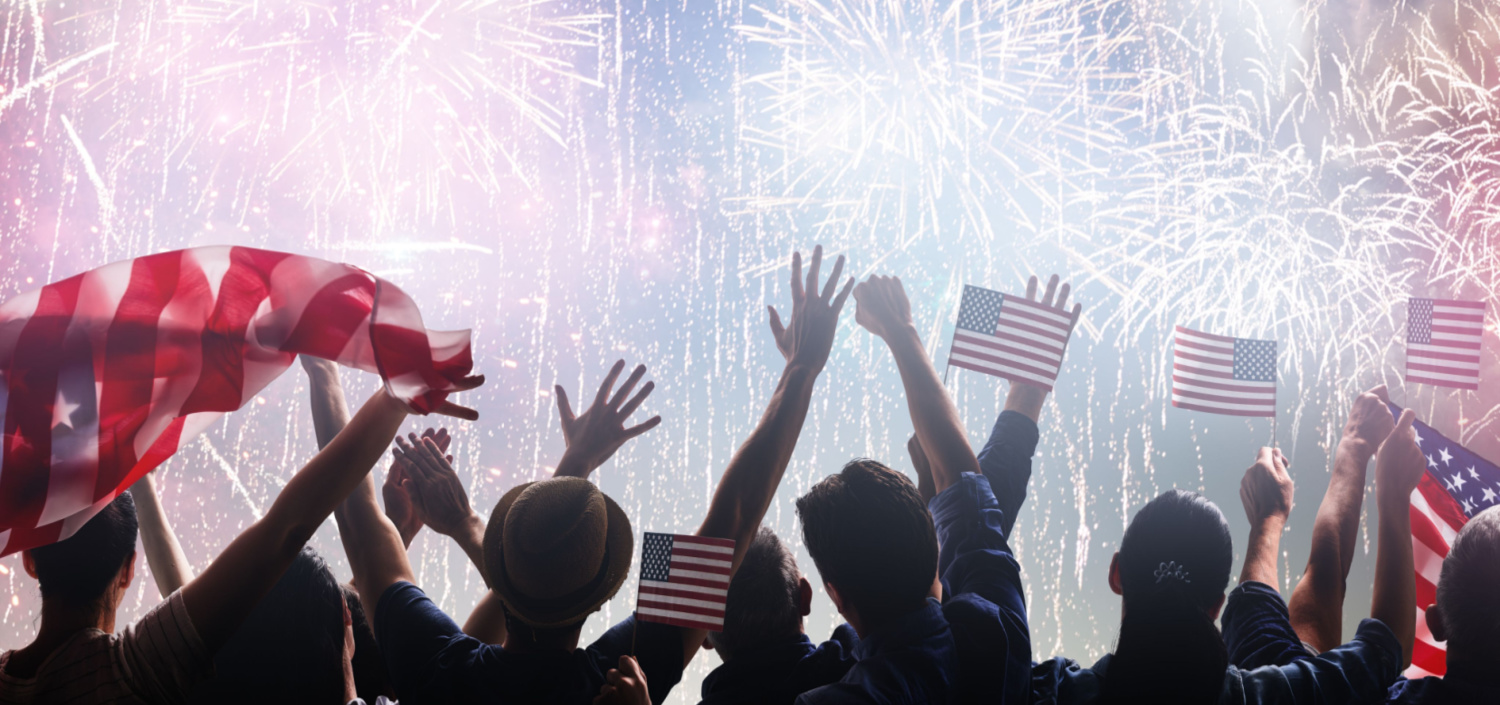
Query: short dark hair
[
  {"x": 291, "y": 646},
  {"x": 762, "y": 606},
  {"x": 871, "y": 537},
  {"x": 1466, "y": 587},
  {"x": 79, "y": 569}
]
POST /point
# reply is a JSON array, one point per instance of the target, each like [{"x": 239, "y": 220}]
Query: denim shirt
[
  {"x": 973, "y": 646},
  {"x": 776, "y": 675},
  {"x": 1463, "y": 684},
  {"x": 1258, "y": 628}
]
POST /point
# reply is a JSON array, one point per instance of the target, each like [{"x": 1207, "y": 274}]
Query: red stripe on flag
[
  {"x": 1029, "y": 351},
  {"x": 647, "y": 601},
  {"x": 221, "y": 387},
  {"x": 1450, "y": 357},
  {"x": 1220, "y": 410},
  {"x": 1429, "y": 658},
  {"x": 32, "y": 380},
  {"x": 1423, "y": 530},
  {"x": 1200, "y": 334},
  {"x": 700, "y": 582},
  {"x": 1442, "y": 503},
  {"x": 1179, "y": 381},
  {"x": 698, "y": 567},
  {"x": 1426, "y": 592},
  {"x": 999, "y": 373},
  {"x": 338, "y": 310},
  {"x": 685, "y": 623},
  {"x": 678, "y": 550},
  {"x": 683, "y": 540},
  {"x": 1009, "y": 359},
  {"x": 1032, "y": 323},
  {"x": 1223, "y": 399}
]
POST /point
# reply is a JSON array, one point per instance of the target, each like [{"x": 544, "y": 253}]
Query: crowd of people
[{"x": 922, "y": 572}]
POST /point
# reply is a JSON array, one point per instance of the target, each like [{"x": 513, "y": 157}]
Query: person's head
[
  {"x": 370, "y": 679},
  {"x": 290, "y": 648},
  {"x": 91, "y": 569},
  {"x": 872, "y": 540},
  {"x": 1466, "y": 613},
  {"x": 1172, "y": 568},
  {"x": 555, "y": 551},
  {"x": 768, "y": 597}
]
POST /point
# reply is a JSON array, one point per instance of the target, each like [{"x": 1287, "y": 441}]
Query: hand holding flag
[{"x": 1022, "y": 340}]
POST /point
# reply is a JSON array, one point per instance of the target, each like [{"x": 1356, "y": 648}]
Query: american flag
[
  {"x": 103, "y": 376},
  {"x": 684, "y": 580},
  {"x": 1457, "y": 485},
  {"x": 1442, "y": 342},
  {"x": 1010, "y": 336},
  {"x": 1219, "y": 375}
]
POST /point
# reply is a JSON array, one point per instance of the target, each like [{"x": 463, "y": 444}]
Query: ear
[
  {"x": 1437, "y": 623},
  {"x": 1114, "y": 575},
  {"x": 804, "y": 597},
  {"x": 126, "y": 574},
  {"x": 28, "y": 563}
]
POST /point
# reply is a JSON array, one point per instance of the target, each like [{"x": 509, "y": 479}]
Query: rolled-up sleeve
[
  {"x": 428, "y": 657},
  {"x": 1360, "y": 671},
  {"x": 1258, "y": 629},
  {"x": 1006, "y": 462}
]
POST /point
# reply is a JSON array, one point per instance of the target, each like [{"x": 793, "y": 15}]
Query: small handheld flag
[
  {"x": 1457, "y": 485},
  {"x": 1219, "y": 375},
  {"x": 1010, "y": 336},
  {"x": 1442, "y": 342},
  {"x": 684, "y": 580}
]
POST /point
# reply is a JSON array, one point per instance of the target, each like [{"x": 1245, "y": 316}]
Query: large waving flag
[
  {"x": 105, "y": 375},
  {"x": 1219, "y": 375},
  {"x": 1457, "y": 485},
  {"x": 1443, "y": 342}
]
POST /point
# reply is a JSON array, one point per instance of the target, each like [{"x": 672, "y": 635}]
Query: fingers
[
  {"x": 812, "y": 272},
  {"x": 833, "y": 279},
  {"x": 448, "y": 408},
  {"x": 468, "y": 383},
  {"x": 797, "y": 292},
  {"x": 565, "y": 414},
  {"x": 1062, "y": 295},
  {"x": 629, "y": 408},
  {"x": 643, "y": 427},
  {"x": 1403, "y": 425},
  {"x": 630, "y": 382},
  {"x": 1381, "y": 393},
  {"x": 838, "y": 303},
  {"x": 1051, "y": 291},
  {"x": 630, "y": 667},
  {"x": 1031, "y": 288},
  {"x": 609, "y": 383},
  {"x": 777, "y": 329}
]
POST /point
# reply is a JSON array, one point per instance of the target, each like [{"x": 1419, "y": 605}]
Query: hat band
[{"x": 572, "y": 598}]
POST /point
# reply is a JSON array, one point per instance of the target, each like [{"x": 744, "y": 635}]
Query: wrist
[
  {"x": 1271, "y": 524},
  {"x": 1357, "y": 448}
]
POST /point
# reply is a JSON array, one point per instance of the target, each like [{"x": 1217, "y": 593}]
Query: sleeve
[
  {"x": 162, "y": 654},
  {"x": 1258, "y": 629},
  {"x": 658, "y": 648},
  {"x": 982, "y": 591},
  {"x": 427, "y": 656},
  {"x": 1360, "y": 671},
  {"x": 1006, "y": 462}
]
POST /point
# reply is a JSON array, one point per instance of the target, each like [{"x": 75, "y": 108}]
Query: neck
[
  {"x": 60, "y": 622},
  {"x": 539, "y": 641},
  {"x": 1469, "y": 662}
]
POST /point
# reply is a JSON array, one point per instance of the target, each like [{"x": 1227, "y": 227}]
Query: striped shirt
[{"x": 155, "y": 660}]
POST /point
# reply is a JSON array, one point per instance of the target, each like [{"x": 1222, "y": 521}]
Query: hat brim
[{"x": 619, "y": 550}]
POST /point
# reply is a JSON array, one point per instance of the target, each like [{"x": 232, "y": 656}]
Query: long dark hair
[{"x": 1174, "y": 565}]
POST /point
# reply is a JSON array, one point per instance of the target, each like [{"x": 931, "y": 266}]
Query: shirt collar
[{"x": 911, "y": 628}]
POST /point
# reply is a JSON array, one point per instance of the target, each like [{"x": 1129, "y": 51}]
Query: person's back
[
  {"x": 768, "y": 659},
  {"x": 76, "y": 658},
  {"x": 1467, "y": 616}
]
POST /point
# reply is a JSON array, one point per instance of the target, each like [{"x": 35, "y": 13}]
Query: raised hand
[
  {"x": 448, "y": 408},
  {"x": 398, "y": 501},
  {"x": 1054, "y": 297},
  {"x": 625, "y": 685},
  {"x": 1399, "y": 463},
  {"x": 437, "y": 494},
  {"x": 1266, "y": 490},
  {"x": 598, "y": 432},
  {"x": 1370, "y": 421},
  {"x": 1025, "y": 398},
  {"x": 882, "y": 307},
  {"x": 808, "y": 337}
]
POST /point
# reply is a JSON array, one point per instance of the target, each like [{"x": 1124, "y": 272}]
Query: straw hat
[{"x": 557, "y": 550}]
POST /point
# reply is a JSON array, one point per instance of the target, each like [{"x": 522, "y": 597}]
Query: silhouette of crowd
[{"x": 922, "y": 573}]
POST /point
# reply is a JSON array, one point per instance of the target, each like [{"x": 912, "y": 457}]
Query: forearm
[
  {"x": 1260, "y": 554},
  {"x": 330, "y": 413},
  {"x": 470, "y": 538},
  {"x": 932, "y": 413},
  {"x": 1395, "y": 595},
  {"x": 1337, "y": 524},
  {"x": 1026, "y": 400},
  {"x": 169, "y": 565},
  {"x": 220, "y": 598},
  {"x": 755, "y": 471}
]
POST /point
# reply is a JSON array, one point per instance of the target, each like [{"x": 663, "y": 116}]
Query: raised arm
[
  {"x": 1266, "y": 492},
  {"x": 438, "y": 495},
  {"x": 219, "y": 600},
  {"x": 1399, "y": 465},
  {"x": 884, "y": 310},
  {"x": 169, "y": 565},
  {"x": 1317, "y": 604},
  {"x": 593, "y": 436},
  {"x": 1027, "y": 399}
]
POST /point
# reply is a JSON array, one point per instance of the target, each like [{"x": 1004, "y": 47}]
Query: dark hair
[
  {"x": 762, "y": 606},
  {"x": 1174, "y": 565},
  {"x": 871, "y": 536},
  {"x": 79, "y": 569},
  {"x": 291, "y": 646},
  {"x": 370, "y": 677},
  {"x": 1466, "y": 587}
]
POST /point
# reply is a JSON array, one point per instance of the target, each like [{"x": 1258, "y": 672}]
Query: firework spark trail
[
  {"x": 101, "y": 190},
  {"x": 51, "y": 75}
]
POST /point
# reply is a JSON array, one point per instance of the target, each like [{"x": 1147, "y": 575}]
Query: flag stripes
[
  {"x": 1010, "y": 337},
  {"x": 684, "y": 580},
  {"x": 1222, "y": 375},
  {"x": 1443, "y": 340}
]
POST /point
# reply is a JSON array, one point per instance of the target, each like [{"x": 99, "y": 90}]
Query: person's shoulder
[
  {"x": 1415, "y": 691},
  {"x": 839, "y": 694},
  {"x": 1063, "y": 680}
]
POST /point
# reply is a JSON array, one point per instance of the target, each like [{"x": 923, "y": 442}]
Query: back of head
[
  {"x": 78, "y": 570},
  {"x": 872, "y": 538},
  {"x": 1466, "y": 588},
  {"x": 290, "y": 648},
  {"x": 762, "y": 608},
  {"x": 370, "y": 677},
  {"x": 1174, "y": 564}
]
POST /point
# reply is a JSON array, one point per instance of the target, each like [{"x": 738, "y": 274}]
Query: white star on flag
[
  {"x": 1473, "y": 473},
  {"x": 1446, "y": 455},
  {"x": 1430, "y": 462},
  {"x": 1419, "y": 440},
  {"x": 1489, "y": 495},
  {"x": 1458, "y": 481},
  {"x": 62, "y": 411},
  {"x": 1468, "y": 507}
]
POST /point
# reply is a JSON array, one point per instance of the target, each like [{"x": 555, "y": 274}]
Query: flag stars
[
  {"x": 1489, "y": 496},
  {"x": 1458, "y": 481},
  {"x": 1468, "y": 507},
  {"x": 1431, "y": 463},
  {"x": 1473, "y": 473},
  {"x": 1419, "y": 437},
  {"x": 1445, "y": 455},
  {"x": 62, "y": 411}
]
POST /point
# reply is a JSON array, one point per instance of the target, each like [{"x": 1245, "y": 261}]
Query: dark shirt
[
  {"x": 1006, "y": 463},
  {"x": 1462, "y": 684},
  {"x": 776, "y": 675},
  {"x": 973, "y": 646},
  {"x": 1357, "y": 672},
  {"x": 431, "y": 660},
  {"x": 1258, "y": 629}
]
